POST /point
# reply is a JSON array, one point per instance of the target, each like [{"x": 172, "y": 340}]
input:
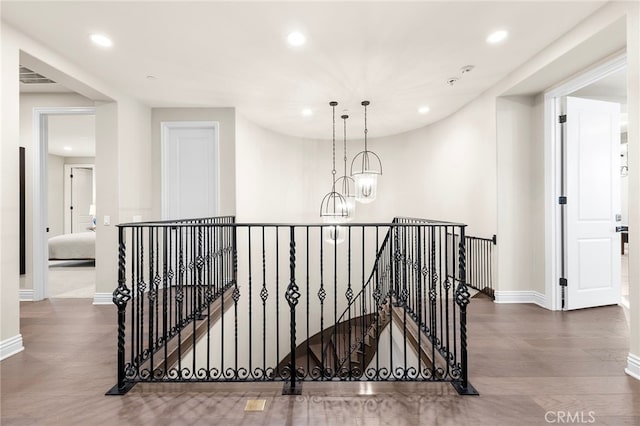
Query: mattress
[{"x": 81, "y": 245}]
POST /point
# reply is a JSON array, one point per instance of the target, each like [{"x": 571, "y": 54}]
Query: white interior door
[
  {"x": 80, "y": 198},
  {"x": 190, "y": 170},
  {"x": 593, "y": 205}
]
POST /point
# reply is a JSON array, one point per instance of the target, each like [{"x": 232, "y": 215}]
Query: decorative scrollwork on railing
[
  {"x": 121, "y": 295},
  {"x": 191, "y": 265}
]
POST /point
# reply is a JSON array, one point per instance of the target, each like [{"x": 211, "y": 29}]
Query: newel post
[
  {"x": 462, "y": 299},
  {"x": 121, "y": 295}
]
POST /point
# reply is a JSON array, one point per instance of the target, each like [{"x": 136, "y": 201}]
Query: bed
[{"x": 81, "y": 245}]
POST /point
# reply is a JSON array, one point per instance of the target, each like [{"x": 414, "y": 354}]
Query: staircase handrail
[{"x": 340, "y": 361}]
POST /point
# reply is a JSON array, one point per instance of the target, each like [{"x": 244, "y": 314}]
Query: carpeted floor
[{"x": 72, "y": 278}]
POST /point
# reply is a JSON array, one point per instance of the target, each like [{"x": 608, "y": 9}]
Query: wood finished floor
[{"x": 525, "y": 361}]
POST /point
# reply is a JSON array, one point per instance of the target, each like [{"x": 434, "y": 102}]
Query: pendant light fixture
[
  {"x": 345, "y": 183},
  {"x": 365, "y": 168},
  {"x": 333, "y": 208}
]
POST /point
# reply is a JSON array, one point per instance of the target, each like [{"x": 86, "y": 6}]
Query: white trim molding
[
  {"x": 11, "y": 346},
  {"x": 40, "y": 176},
  {"x": 26, "y": 295},
  {"x": 553, "y": 108},
  {"x": 534, "y": 297},
  {"x": 103, "y": 299},
  {"x": 633, "y": 366}
]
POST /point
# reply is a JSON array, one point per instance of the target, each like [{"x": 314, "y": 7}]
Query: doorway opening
[
  {"x": 54, "y": 146},
  {"x": 72, "y": 198},
  {"x": 586, "y": 132},
  {"x": 64, "y": 257}
]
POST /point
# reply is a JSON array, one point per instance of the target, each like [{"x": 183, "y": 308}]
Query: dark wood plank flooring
[{"x": 525, "y": 361}]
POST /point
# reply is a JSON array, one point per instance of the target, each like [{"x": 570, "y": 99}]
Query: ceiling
[
  {"x": 398, "y": 55},
  {"x": 74, "y": 132}
]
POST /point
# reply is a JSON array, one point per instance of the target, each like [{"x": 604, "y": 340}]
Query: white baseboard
[
  {"x": 521, "y": 297},
  {"x": 11, "y": 346},
  {"x": 633, "y": 366},
  {"x": 26, "y": 295},
  {"x": 103, "y": 299}
]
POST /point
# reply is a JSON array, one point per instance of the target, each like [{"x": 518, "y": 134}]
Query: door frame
[
  {"x": 40, "y": 257},
  {"x": 67, "y": 188},
  {"x": 552, "y": 161},
  {"x": 165, "y": 128}
]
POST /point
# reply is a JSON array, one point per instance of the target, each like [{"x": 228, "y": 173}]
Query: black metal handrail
[{"x": 206, "y": 300}]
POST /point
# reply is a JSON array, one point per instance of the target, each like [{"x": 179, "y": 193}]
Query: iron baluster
[
  {"x": 292, "y": 296},
  {"x": 121, "y": 296}
]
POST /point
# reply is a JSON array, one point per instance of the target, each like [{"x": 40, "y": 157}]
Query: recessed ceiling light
[
  {"x": 307, "y": 112},
  {"x": 152, "y": 77},
  {"x": 497, "y": 36},
  {"x": 423, "y": 109},
  {"x": 296, "y": 39},
  {"x": 67, "y": 148},
  {"x": 101, "y": 40}
]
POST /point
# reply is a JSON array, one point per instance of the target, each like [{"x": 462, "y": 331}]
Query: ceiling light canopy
[
  {"x": 296, "y": 39},
  {"x": 101, "y": 40},
  {"x": 497, "y": 36}
]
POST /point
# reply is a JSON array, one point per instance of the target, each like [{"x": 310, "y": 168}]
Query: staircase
[{"x": 344, "y": 350}]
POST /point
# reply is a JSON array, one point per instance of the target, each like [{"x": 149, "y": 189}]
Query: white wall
[
  {"x": 279, "y": 178},
  {"x": 227, "y": 147},
  {"x": 520, "y": 191},
  {"x": 9, "y": 237},
  {"x": 126, "y": 132},
  {"x": 123, "y": 181},
  {"x": 55, "y": 195},
  {"x": 79, "y": 160},
  {"x": 520, "y": 171},
  {"x": 445, "y": 171}
]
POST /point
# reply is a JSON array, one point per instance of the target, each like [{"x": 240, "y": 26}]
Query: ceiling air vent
[{"x": 28, "y": 76}]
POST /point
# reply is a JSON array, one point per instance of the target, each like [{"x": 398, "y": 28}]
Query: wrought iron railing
[
  {"x": 209, "y": 300},
  {"x": 361, "y": 322},
  {"x": 480, "y": 262}
]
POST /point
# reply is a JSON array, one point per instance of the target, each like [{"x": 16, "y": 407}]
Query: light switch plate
[{"x": 107, "y": 220}]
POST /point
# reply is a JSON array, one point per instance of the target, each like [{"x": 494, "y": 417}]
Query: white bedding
[{"x": 81, "y": 245}]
